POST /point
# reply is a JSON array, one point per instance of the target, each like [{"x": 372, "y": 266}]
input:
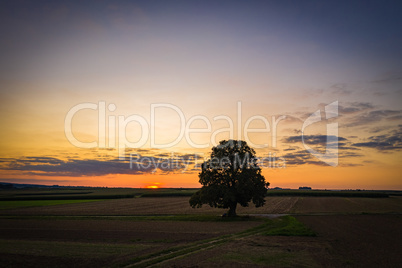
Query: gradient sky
[{"x": 205, "y": 58}]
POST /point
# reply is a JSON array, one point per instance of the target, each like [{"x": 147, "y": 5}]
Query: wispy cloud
[
  {"x": 301, "y": 157},
  {"x": 371, "y": 117},
  {"x": 387, "y": 142},
  {"x": 312, "y": 139},
  {"x": 50, "y": 166},
  {"x": 354, "y": 107}
]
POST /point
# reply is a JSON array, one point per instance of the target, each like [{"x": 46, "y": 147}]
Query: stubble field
[{"x": 166, "y": 231}]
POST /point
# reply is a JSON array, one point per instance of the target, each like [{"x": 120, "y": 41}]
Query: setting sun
[{"x": 153, "y": 185}]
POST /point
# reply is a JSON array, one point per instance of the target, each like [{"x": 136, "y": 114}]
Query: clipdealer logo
[
  {"x": 330, "y": 156},
  {"x": 112, "y": 130}
]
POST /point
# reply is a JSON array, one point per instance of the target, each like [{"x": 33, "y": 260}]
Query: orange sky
[{"x": 166, "y": 83}]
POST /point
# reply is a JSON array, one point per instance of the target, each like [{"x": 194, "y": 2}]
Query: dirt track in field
[
  {"x": 342, "y": 241},
  {"x": 261, "y": 251}
]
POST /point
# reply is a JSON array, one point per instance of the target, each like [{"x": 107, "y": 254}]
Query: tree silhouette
[{"x": 230, "y": 177}]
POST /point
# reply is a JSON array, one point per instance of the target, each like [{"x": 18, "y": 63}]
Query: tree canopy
[{"x": 231, "y": 176}]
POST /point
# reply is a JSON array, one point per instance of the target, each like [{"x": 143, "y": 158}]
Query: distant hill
[{"x": 7, "y": 185}]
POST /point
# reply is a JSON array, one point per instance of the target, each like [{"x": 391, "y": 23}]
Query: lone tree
[{"x": 230, "y": 177}]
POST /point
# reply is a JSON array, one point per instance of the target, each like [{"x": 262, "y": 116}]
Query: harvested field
[
  {"x": 261, "y": 251},
  {"x": 26, "y": 253},
  {"x": 347, "y": 205},
  {"x": 84, "y": 243},
  {"x": 360, "y": 240},
  {"x": 150, "y": 206},
  {"x": 341, "y": 241},
  {"x": 39, "y": 203},
  {"x": 133, "y": 231},
  {"x": 180, "y": 205},
  {"x": 121, "y": 231}
]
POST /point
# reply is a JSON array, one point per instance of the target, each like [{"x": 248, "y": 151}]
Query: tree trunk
[{"x": 232, "y": 210}]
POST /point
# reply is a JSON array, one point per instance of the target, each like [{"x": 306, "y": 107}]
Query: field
[{"x": 161, "y": 229}]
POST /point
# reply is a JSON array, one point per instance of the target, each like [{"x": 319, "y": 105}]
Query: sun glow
[{"x": 152, "y": 187}]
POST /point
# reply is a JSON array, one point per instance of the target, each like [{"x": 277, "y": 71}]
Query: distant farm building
[{"x": 304, "y": 188}]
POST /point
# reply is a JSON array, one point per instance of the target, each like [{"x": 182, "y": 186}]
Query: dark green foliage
[{"x": 230, "y": 177}]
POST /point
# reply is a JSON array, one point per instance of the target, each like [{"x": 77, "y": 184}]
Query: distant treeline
[
  {"x": 65, "y": 197},
  {"x": 116, "y": 193},
  {"x": 27, "y": 194},
  {"x": 286, "y": 193}
]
